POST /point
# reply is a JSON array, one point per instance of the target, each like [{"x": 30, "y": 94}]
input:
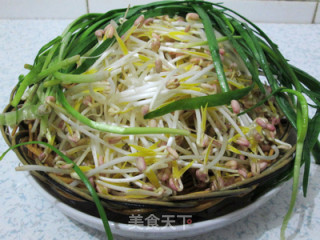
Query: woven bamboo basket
[{"x": 201, "y": 205}]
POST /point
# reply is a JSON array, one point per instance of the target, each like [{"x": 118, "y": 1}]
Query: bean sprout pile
[{"x": 156, "y": 62}]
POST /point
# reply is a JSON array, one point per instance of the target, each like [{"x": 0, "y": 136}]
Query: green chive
[
  {"x": 198, "y": 102},
  {"x": 213, "y": 46},
  {"x": 115, "y": 129},
  {"x": 81, "y": 175}
]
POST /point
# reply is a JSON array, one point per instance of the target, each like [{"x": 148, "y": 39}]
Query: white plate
[{"x": 148, "y": 232}]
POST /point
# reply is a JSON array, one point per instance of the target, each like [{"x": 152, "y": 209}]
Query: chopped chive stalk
[
  {"x": 57, "y": 66},
  {"x": 22, "y": 86},
  {"x": 35, "y": 76},
  {"x": 28, "y": 112},
  {"x": 64, "y": 78},
  {"x": 50, "y": 55}
]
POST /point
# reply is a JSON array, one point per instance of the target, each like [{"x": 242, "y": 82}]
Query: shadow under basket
[{"x": 201, "y": 205}]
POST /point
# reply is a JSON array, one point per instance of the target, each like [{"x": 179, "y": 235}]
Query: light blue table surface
[{"x": 25, "y": 214}]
